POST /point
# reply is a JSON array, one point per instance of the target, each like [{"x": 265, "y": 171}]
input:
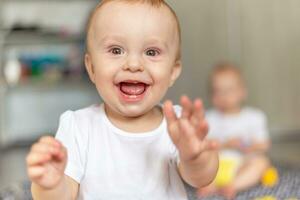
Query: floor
[
  {"x": 13, "y": 168},
  {"x": 286, "y": 152}
]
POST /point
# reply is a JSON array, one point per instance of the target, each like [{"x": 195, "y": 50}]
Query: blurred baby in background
[{"x": 241, "y": 131}]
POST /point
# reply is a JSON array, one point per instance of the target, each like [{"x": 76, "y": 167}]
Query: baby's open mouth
[{"x": 133, "y": 88}]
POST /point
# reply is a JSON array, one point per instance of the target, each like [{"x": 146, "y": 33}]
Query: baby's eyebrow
[
  {"x": 119, "y": 38},
  {"x": 158, "y": 41},
  {"x": 111, "y": 38}
]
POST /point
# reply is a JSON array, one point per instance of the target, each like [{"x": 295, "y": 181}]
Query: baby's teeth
[{"x": 132, "y": 96}]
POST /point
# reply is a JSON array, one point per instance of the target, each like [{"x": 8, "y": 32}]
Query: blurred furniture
[{"x": 41, "y": 66}]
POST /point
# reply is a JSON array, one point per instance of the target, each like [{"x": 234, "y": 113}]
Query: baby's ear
[
  {"x": 89, "y": 66},
  {"x": 175, "y": 72}
]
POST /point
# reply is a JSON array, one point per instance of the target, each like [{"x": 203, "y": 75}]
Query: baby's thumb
[
  {"x": 61, "y": 157},
  {"x": 211, "y": 145}
]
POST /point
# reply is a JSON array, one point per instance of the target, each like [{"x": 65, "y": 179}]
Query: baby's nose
[{"x": 133, "y": 64}]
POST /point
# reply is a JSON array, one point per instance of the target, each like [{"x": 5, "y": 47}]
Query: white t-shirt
[
  {"x": 111, "y": 164},
  {"x": 250, "y": 125}
]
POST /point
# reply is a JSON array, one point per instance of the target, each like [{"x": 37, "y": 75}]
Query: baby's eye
[
  {"x": 116, "y": 51},
  {"x": 152, "y": 52}
]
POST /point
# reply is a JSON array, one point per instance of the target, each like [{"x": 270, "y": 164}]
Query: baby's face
[
  {"x": 228, "y": 91},
  {"x": 132, "y": 56}
]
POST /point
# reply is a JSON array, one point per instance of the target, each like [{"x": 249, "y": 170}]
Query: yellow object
[
  {"x": 266, "y": 198},
  {"x": 270, "y": 177},
  {"x": 225, "y": 173},
  {"x": 228, "y": 166},
  {"x": 272, "y": 198}
]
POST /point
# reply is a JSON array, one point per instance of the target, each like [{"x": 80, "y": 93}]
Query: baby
[
  {"x": 238, "y": 128},
  {"x": 130, "y": 147}
]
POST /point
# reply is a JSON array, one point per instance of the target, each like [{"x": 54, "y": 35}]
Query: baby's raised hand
[
  {"x": 189, "y": 131},
  {"x": 46, "y": 162}
]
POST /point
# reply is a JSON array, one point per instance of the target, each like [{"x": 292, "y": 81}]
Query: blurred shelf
[
  {"x": 33, "y": 106},
  {"x": 19, "y": 38},
  {"x": 3, "y": 1},
  {"x": 41, "y": 85}
]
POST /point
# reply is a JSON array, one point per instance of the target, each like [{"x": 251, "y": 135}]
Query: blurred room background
[{"x": 42, "y": 72}]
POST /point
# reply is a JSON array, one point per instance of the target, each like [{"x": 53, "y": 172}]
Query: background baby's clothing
[
  {"x": 250, "y": 125},
  {"x": 112, "y": 164}
]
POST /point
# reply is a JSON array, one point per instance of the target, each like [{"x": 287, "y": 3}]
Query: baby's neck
[
  {"x": 232, "y": 111},
  {"x": 144, "y": 123}
]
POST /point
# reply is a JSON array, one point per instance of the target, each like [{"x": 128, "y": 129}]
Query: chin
[{"x": 134, "y": 110}]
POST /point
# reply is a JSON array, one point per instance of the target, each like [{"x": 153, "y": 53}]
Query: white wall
[
  {"x": 263, "y": 36},
  {"x": 204, "y": 34},
  {"x": 271, "y": 58}
]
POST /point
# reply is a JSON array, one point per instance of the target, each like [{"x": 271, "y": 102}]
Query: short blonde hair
[
  {"x": 224, "y": 67},
  {"x": 154, "y": 3}
]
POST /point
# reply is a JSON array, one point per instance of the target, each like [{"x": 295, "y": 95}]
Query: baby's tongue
[{"x": 133, "y": 88}]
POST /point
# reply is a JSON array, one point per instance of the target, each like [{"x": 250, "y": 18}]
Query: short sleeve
[
  {"x": 260, "y": 128},
  {"x": 68, "y": 133}
]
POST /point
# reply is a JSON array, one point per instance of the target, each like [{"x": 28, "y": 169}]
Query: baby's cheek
[
  {"x": 161, "y": 86},
  {"x": 161, "y": 73},
  {"x": 104, "y": 75},
  {"x": 162, "y": 81}
]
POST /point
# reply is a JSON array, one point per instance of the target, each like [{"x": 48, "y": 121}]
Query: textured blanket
[{"x": 287, "y": 188}]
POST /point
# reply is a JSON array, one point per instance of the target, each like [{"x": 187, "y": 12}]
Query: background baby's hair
[{"x": 225, "y": 67}]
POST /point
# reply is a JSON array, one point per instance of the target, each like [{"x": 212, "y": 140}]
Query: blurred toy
[
  {"x": 272, "y": 198},
  {"x": 230, "y": 162},
  {"x": 266, "y": 198},
  {"x": 12, "y": 69},
  {"x": 270, "y": 177},
  {"x": 228, "y": 165}
]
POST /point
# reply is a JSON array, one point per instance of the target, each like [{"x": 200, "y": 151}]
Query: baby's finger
[
  {"x": 50, "y": 140},
  {"x": 169, "y": 112},
  {"x": 190, "y": 144},
  {"x": 35, "y": 158},
  {"x": 209, "y": 145},
  {"x": 35, "y": 172},
  {"x": 187, "y": 107},
  {"x": 61, "y": 154},
  {"x": 188, "y": 136},
  {"x": 198, "y": 113},
  {"x": 44, "y": 148},
  {"x": 202, "y": 129},
  {"x": 172, "y": 121}
]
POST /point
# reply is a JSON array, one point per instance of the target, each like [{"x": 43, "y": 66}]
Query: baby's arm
[
  {"x": 254, "y": 146},
  {"x": 198, "y": 157},
  {"x": 46, "y": 163},
  {"x": 257, "y": 147},
  {"x": 232, "y": 143}
]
